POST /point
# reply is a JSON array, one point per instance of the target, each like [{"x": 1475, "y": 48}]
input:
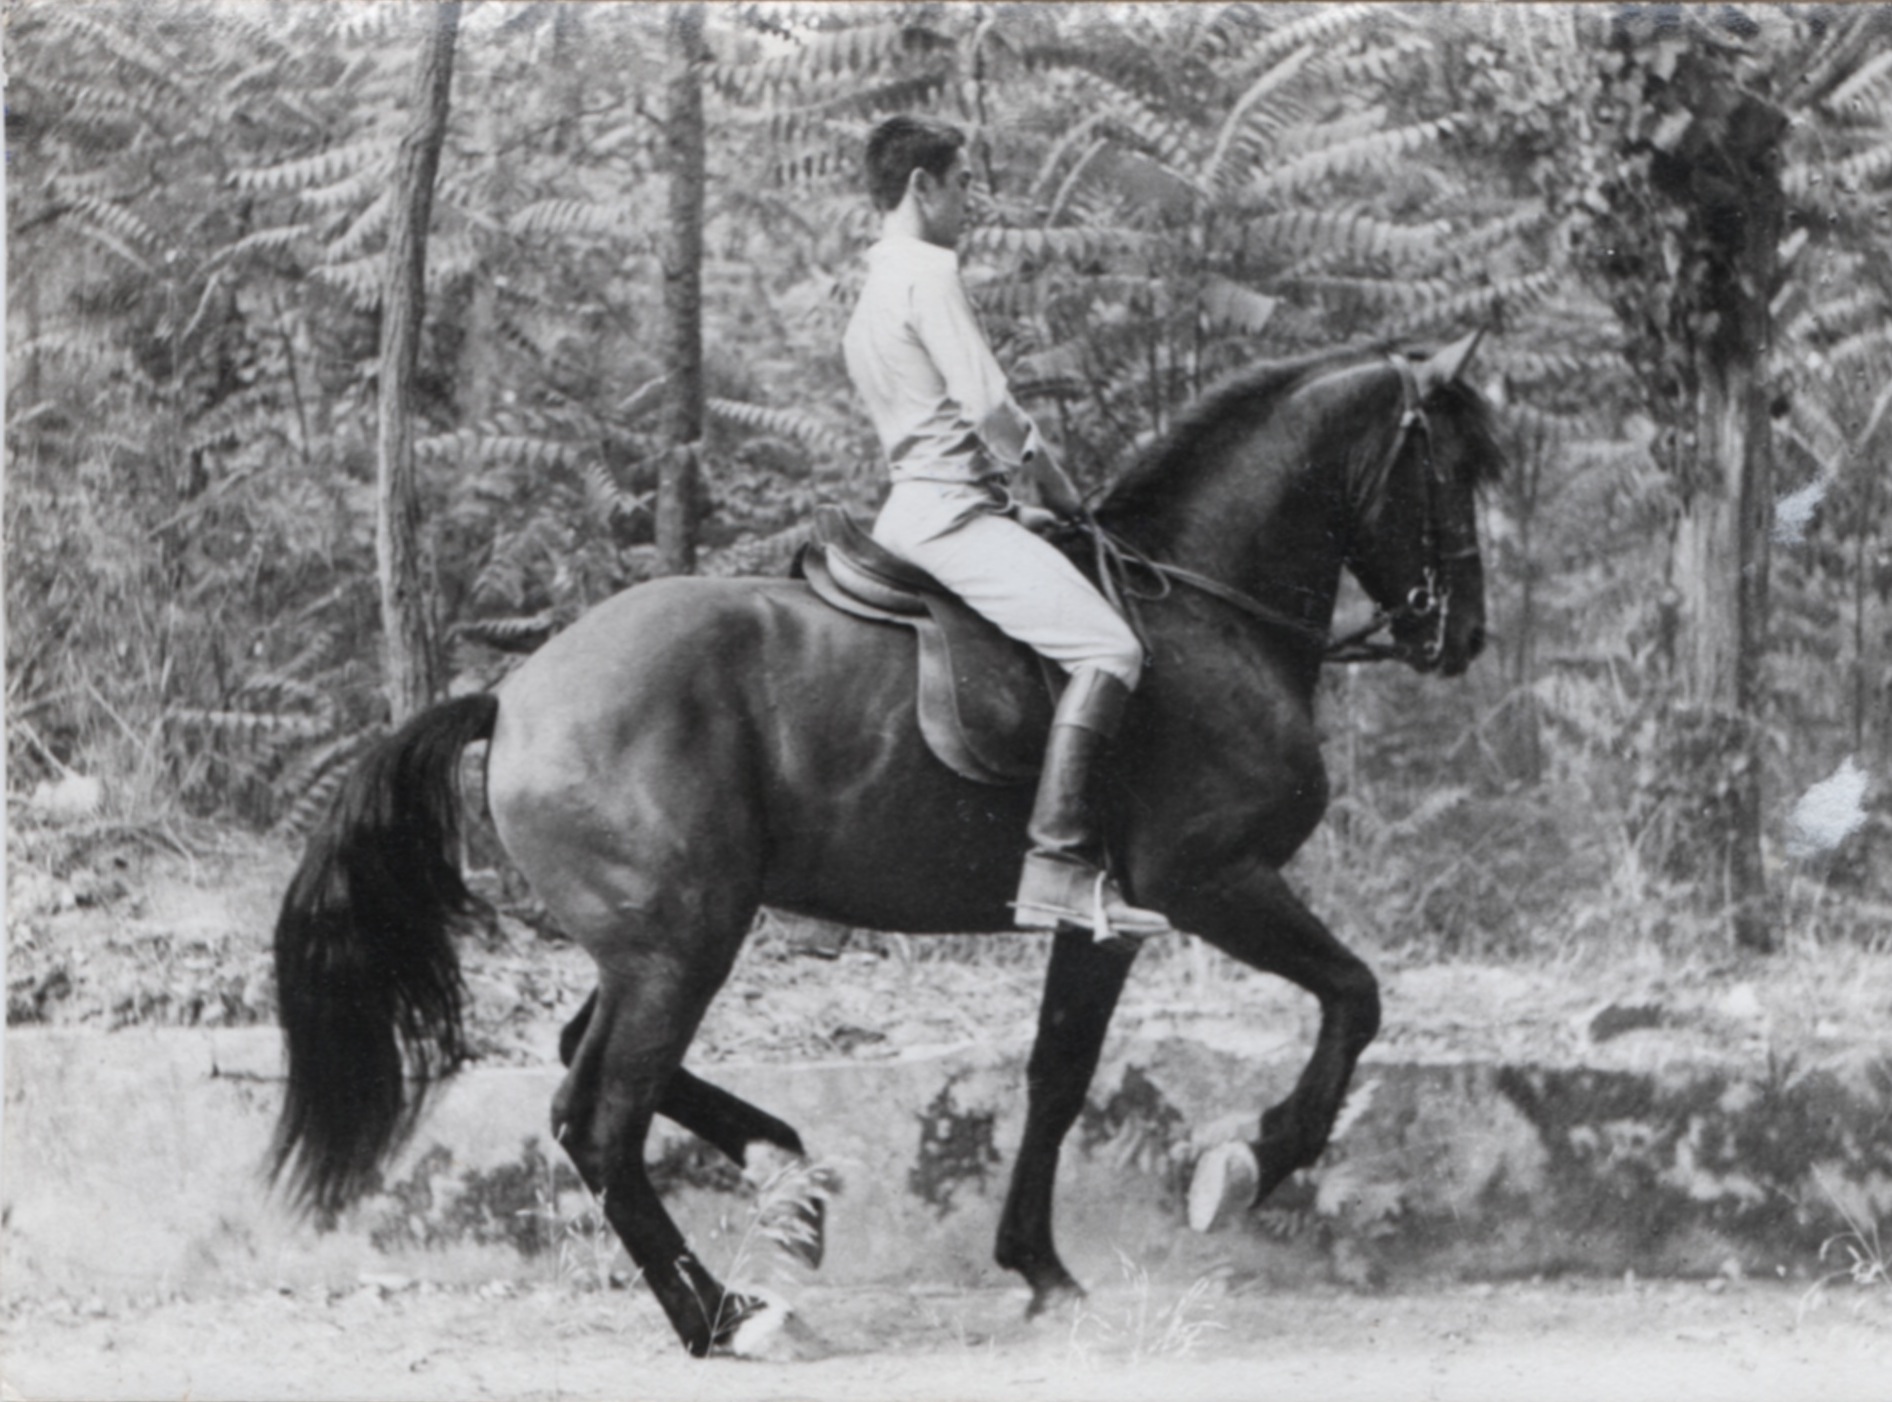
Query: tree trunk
[
  {"x": 1727, "y": 180},
  {"x": 1723, "y": 558},
  {"x": 683, "y": 293},
  {"x": 402, "y": 563}
]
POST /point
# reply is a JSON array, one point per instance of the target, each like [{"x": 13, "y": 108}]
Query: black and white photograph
[{"x": 726, "y": 701}]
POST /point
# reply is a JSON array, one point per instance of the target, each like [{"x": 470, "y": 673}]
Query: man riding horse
[{"x": 955, "y": 442}]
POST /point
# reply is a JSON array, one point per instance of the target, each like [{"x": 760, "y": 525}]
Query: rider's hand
[{"x": 1037, "y": 520}]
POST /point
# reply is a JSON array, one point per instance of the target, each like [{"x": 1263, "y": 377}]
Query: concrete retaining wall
[{"x": 130, "y": 1166}]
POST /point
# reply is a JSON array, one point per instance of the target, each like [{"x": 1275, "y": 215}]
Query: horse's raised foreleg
[
  {"x": 1081, "y": 989},
  {"x": 1260, "y": 921}
]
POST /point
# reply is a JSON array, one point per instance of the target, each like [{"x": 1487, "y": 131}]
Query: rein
[{"x": 1116, "y": 559}]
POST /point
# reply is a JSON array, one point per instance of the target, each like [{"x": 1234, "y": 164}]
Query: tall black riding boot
[{"x": 1064, "y": 881}]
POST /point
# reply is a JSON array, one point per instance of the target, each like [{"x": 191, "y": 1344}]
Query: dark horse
[{"x": 693, "y": 749}]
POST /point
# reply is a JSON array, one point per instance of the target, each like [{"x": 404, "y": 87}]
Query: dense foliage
[{"x": 199, "y": 194}]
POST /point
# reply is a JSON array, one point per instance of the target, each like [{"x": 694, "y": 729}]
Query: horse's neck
[{"x": 1261, "y": 522}]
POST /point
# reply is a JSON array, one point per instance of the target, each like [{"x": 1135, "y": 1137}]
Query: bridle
[{"x": 1428, "y": 603}]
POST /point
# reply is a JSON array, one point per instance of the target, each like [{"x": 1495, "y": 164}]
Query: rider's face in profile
[{"x": 943, "y": 203}]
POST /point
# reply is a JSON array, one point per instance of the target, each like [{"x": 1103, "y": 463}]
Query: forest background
[{"x": 1674, "y": 225}]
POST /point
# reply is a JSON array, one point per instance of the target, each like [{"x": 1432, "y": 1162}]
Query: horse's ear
[{"x": 1444, "y": 366}]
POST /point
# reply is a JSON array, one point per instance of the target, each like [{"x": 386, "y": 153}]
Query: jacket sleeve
[{"x": 944, "y": 320}]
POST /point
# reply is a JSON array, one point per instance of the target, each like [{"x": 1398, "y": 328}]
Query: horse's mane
[
  {"x": 1248, "y": 396},
  {"x": 1238, "y": 400}
]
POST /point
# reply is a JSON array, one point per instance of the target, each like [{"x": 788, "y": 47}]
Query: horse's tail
[{"x": 368, "y": 985}]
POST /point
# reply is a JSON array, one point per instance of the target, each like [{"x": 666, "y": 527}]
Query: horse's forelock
[{"x": 1477, "y": 425}]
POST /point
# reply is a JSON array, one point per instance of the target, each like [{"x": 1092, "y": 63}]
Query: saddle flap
[{"x": 984, "y": 699}]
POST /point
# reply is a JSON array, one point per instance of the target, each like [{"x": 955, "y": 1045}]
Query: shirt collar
[{"x": 910, "y": 249}]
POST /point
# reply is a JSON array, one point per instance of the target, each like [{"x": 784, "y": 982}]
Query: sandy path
[{"x": 1538, "y": 1342}]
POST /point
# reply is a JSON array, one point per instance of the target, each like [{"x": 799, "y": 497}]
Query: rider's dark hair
[{"x": 901, "y": 145}]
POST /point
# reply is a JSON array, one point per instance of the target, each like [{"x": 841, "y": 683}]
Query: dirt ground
[
  {"x": 1624, "y": 1340},
  {"x": 184, "y": 942}
]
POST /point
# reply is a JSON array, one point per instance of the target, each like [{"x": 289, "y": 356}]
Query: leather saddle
[{"x": 985, "y": 700}]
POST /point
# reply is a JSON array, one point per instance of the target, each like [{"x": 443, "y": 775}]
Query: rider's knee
[{"x": 1123, "y": 659}]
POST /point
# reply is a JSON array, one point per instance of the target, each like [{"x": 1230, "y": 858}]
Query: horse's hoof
[
  {"x": 769, "y": 1329},
  {"x": 1224, "y": 1184},
  {"x": 1053, "y": 1298}
]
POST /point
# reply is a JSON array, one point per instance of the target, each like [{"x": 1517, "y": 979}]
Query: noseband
[{"x": 1428, "y": 602}]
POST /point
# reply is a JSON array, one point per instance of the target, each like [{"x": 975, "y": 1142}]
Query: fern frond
[
  {"x": 1866, "y": 169},
  {"x": 799, "y": 425},
  {"x": 765, "y": 555},
  {"x": 273, "y": 690},
  {"x": 309, "y": 786},
  {"x": 118, "y": 221},
  {"x": 1810, "y": 419},
  {"x": 1219, "y": 172},
  {"x": 1169, "y": 141},
  {"x": 344, "y": 195},
  {"x": 1471, "y": 247},
  {"x": 1230, "y": 306},
  {"x": 1862, "y": 349},
  {"x": 1381, "y": 150},
  {"x": 283, "y": 238},
  {"x": 1401, "y": 296},
  {"x": 1253, "y": 32},
  {"x": 607, "y": 501},
  {"x": 1543, "y": 428},
  {"x": 788, "y": 126},
  {"x": 359, "y": 280},
  {"x": 643, "y": 399},
  {"x": 1077, "y": 244},
  {"x": 508, "y": 573},
  {"x": 513, "y": 450},
  {"x": 809, "y": 165},
  {"x": 160, "y": 70},
  {"x": 1870, "y": 82},
  {"x": 566, "y": 218},
  {"x": 1391, "y": 58},
  {"x": 109, "y": 241},
  {"x": 837, "y": 55},
  {"x": 1481, "y": 305},
  {"x": 305, "y": 173},
  {"x": 367, "y": 227},
  {"x": 316, "y": 649},
  {"x": 252, "y": 727},
  {"x": 245, "y": 418},
  {"x": 511, "y": 635},
  {"x": 1536, "y": 367},
  {"x": 1345, "y": 235}
]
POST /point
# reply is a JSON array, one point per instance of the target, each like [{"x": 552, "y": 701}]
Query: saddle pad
[{"x": 984, "y": 699}]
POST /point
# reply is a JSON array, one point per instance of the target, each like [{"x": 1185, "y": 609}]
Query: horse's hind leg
[
  {"x": 728, "y": 1123},
  {"x": 711, "y": 1113},
  {"x": 1081, "y": 989},
  {"x": 629, "y": 1052},
  {"x": 1257, "y": 919}
]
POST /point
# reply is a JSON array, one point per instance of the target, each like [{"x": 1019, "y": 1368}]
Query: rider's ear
[
  {"x": 1446, "y": 365},
  {"x": 920, "y": 182}
]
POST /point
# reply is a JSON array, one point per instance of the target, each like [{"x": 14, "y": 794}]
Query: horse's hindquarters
[{"x": 694, "y": 741}]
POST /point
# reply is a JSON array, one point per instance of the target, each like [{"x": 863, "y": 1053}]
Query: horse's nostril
[{"x": 1476, "y": 644}]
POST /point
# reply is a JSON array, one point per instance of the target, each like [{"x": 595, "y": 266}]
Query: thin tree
[
  {"x": 407, "y": 604},
  {"x": 683, "y": 293}
]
